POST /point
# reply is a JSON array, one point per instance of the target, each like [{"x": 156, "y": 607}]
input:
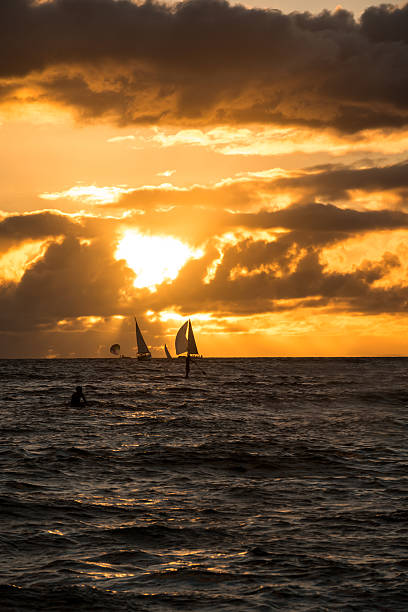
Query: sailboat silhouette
[{"x": 143, "y": 353}]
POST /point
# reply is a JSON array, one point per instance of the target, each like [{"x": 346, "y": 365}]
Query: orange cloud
[
  {"x": 328, "y": 264},
  {"x": 276, "y": 259},
  {"x": 207, "y": 62},
  {"x": 360, "y": 185},
  {"x": 262, "y": 140}
]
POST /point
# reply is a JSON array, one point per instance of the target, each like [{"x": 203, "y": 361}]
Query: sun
[{"x": 154, "y": 259}]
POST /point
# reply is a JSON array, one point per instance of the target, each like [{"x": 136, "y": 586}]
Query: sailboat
[
  {"x": 185, "y": 341},
  {"x": 143, "y": 353},
  {"x": 166, "y": 350}
]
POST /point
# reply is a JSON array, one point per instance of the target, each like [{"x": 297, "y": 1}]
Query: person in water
[
  {"x": 187, "y": 365},
  {"x": 76, "y": 398}
]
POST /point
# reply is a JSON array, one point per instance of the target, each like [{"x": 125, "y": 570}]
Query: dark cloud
[
  {"x": 17, "y": 229},
  {"x": 336, "y": 183},
  {"x": 321, "y": 183},
  {"x": 209, "y": 62},
  {"x": 201, "y": 224},
  {"x": 78, "y": 276},
  {"x": 385, "y": 23},
  {"x": 255, "y": 276},
  {"x": 288, "y": 273},
  {"x": 329, "y": 218},
  {"x": 73, "y": 279}
]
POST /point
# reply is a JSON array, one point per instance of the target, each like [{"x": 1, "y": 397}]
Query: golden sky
[{"x": 244, "y": 166}]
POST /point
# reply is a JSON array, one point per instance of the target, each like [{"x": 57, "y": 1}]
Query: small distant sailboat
[
  {"x": 166, "y": 350},
  {"x": 185, "y": 341},
  {"x": 143, "y": 353}
]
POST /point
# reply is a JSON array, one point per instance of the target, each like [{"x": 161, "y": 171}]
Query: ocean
[{"x": 254, "y": 485}]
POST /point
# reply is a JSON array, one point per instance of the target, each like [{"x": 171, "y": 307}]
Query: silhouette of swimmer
[
  {"x": 187, "y": 365},
  {"x": 76, "y": 398}
]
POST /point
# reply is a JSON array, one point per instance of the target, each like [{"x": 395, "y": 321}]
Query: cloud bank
[
  {"x": 206, "y": 62},
  {"x": 279, "y": 243},
  {"x": 326, "y": 183},
  {"x": 241, "y": 272}
]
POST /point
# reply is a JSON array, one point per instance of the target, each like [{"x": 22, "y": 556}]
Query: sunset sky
[{"x": 241, "y": 165}]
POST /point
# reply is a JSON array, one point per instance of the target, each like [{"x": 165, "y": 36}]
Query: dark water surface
[{"x": 257, "y": 484}]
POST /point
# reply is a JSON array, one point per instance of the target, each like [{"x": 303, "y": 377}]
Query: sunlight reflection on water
[{"x": 280, "y": 484}]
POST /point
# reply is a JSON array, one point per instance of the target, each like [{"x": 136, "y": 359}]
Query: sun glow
[
  {"x": 154, "y": 259},
  {"x": 15, "y": 262}
]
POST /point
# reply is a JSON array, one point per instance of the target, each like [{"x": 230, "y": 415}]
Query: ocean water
[{"x": 256, "y": 484}]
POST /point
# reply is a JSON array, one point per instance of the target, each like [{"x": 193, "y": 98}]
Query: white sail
[
  {"x": 181, "y": 339},
  {"x": 141, "y": 344},
  {"x": 185, "y": 341},
  {"x": 166, "y": 350},
  {"x": 192, "y": 347}
]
